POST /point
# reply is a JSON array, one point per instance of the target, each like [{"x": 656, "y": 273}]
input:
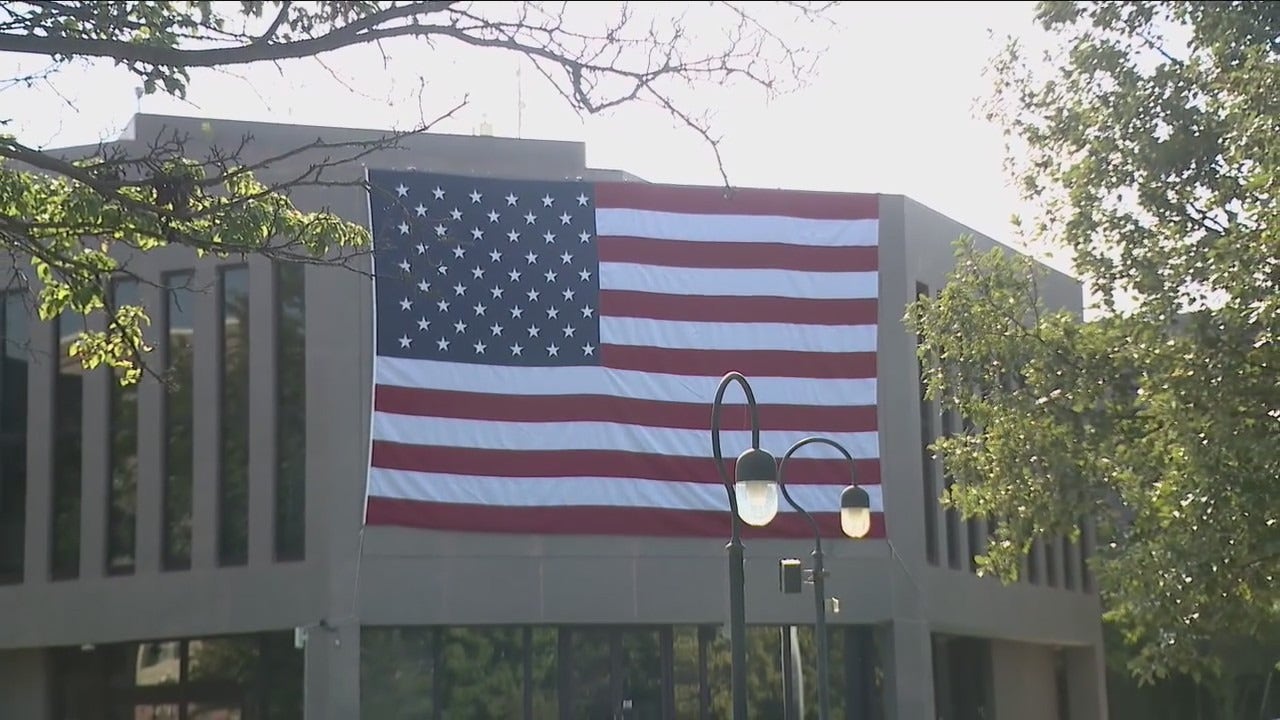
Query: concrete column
[
  {"x": 24, "y": 685},
  {"x": 908, "y": 668},
  {"x": 1087, "y": 682},
  {"x": 332, "y": 679}
]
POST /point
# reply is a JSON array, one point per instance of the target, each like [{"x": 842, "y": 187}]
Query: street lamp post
[
  {"x": 753, "y": 499},
  {"x": 855, "y": 521}
]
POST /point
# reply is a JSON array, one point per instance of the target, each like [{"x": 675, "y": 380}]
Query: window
[
  {"x": 68, "y": 414},
  {"x": 14, "y": 349},
  {"x": 929, "y": 467},
  {"x": 291, "y": 413},
  {"x": 122, "y": 485},
  {"x": 178, "y": 415},
  {"x": 233, "y": 476}
]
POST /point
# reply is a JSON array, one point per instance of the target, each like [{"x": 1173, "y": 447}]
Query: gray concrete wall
[{"x": 1024, "y": 682}]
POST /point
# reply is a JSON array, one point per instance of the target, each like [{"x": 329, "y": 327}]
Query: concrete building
[{"x": 161, "y": 547}]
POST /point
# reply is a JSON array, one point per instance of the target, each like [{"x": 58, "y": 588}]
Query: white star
[
  {"x": 405, "y": 341},
  {"x": 566, "y": 258},
  {"x": 402, "y": 190},
  {"x": 422, "y": 249},
  {"x": 588, "y": 349},
  {"x": 477, "y": 272},
  {"x": 479, "y": 346},
  {"x": 568, "y": 293},
  {"x": 456, "y": 214},
  {"x": 441, "y": 230},
  {"x": 477, "y": 233},
  {"x": 516, "y": 349},
  {"x": 475, "y": 197},
  {"x": 550, "y": 237},
  {"x": 584, "y": 236},
  {"x": 532, "y": 257},
  {"x": 495, "y": 255},
  {"x": 459, "y": 289},
  {"x": 404, "y": 265},
  {"x": 404, "y": 228},
  {"x": 547, "y": 200},
  {"x": 568, "y": 331},
  {"x": 423, "y": 323},
  {"x": 513, "y": 236},
  {"x": 443, "y": 305},
  {"x": 443, "y": 344},
  {"x": 444, "y": 269},
  {"x": 479, "y": 308},
  {"x": 493, "y": 216},
  {"x": 496, "y": 329},
  {"x": 511, "y": 199},
  {"x": 565, "y": 218},
  {"x": 406, "y": 304},
  {"x": 459, "y": 251},
  {"x": 550, "y": 275},
  {"x": 421, "y": 210},
  {"x": 553, "y": 351},
  {"x": 438, "y": 193},
  {"x": 552, "y": 313},
  {"x": 516, "y": 312},
  {"x": 532, "y": 295},
  {"x": 497, "y": 292},
  {"x": 582, "y": 199},
  {"x": 424, "y": 286},
  {"x": 586, "y": 311},
  {"x": 459, "y": 327},
  {"x": 533, "y": 331},
  {"x": 514, "y": 275},
  {"x": 530, "y": 218},
  {"x": 585, "y": 275}
]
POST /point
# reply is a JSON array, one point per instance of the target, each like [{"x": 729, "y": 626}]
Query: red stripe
[
  {"x": 642, "y": 522},
  {"x": 771, "y": 363},
  {"x": 769, "y": 256},
  {"x": 630, "y": 303},
  {"x": 738, "y": 201},
  {"x": 606, "y": 408},
  {"x": 607, "y": 463}
]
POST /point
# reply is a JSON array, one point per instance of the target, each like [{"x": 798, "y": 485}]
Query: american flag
[{"x": 547, "y": 351}]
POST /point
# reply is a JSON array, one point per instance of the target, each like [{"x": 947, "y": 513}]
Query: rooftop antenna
[{"x": 519, "y": 102}]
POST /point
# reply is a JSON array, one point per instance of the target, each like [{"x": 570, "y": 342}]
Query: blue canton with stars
[{"x": 484, "y": 270}]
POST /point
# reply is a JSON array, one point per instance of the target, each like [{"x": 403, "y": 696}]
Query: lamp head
[
  {"x": 756, "y": 486},
  {"x": 855, "y": 512}
]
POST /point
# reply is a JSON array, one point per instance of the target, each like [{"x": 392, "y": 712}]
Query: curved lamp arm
[
  {"x": 786, "y": 494},
  {"x": 728, "y": 379}
]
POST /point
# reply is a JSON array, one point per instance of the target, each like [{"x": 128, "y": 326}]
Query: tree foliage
[
  {"x": 75, "y": 221},
  {"x": 1148, "y": 139}
]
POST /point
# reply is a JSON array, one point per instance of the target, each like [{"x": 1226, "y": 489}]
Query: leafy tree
[
  {"x": 75, "y": 221},
  {"x": 1148, "y": 139}
]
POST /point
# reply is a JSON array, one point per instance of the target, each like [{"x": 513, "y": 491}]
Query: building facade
[{"x": 196, "y": 548}]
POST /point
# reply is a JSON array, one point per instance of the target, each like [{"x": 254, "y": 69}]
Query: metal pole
[
  {"x": 820, "y": 629},
  {"x": 737, "y": 576},
  {"x": 819, "y": 571}
]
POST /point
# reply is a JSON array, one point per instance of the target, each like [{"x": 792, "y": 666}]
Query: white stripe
[
  {"x": 646, "y": 332},
  {"x": 466, "y": 377},
  {"x": 568, "y": 491},
  {"x": 584, "y": 435},
  {"x": 695, "y": 227},
  {"x": 738, "y": 282}
]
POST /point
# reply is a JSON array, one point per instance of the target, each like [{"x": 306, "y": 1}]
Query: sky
[{"x": 890, "y": 108}]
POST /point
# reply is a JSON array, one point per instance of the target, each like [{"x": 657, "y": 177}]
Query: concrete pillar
[
  {"x": 908, "y": 668},
  {"x": 24, "y": 690},
  {"x": 1087, "y": 682},
  {"x": 332, "y": 683}
]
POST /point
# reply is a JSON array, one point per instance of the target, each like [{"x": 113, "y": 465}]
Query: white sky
[{"x": 891, "y": 109}]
